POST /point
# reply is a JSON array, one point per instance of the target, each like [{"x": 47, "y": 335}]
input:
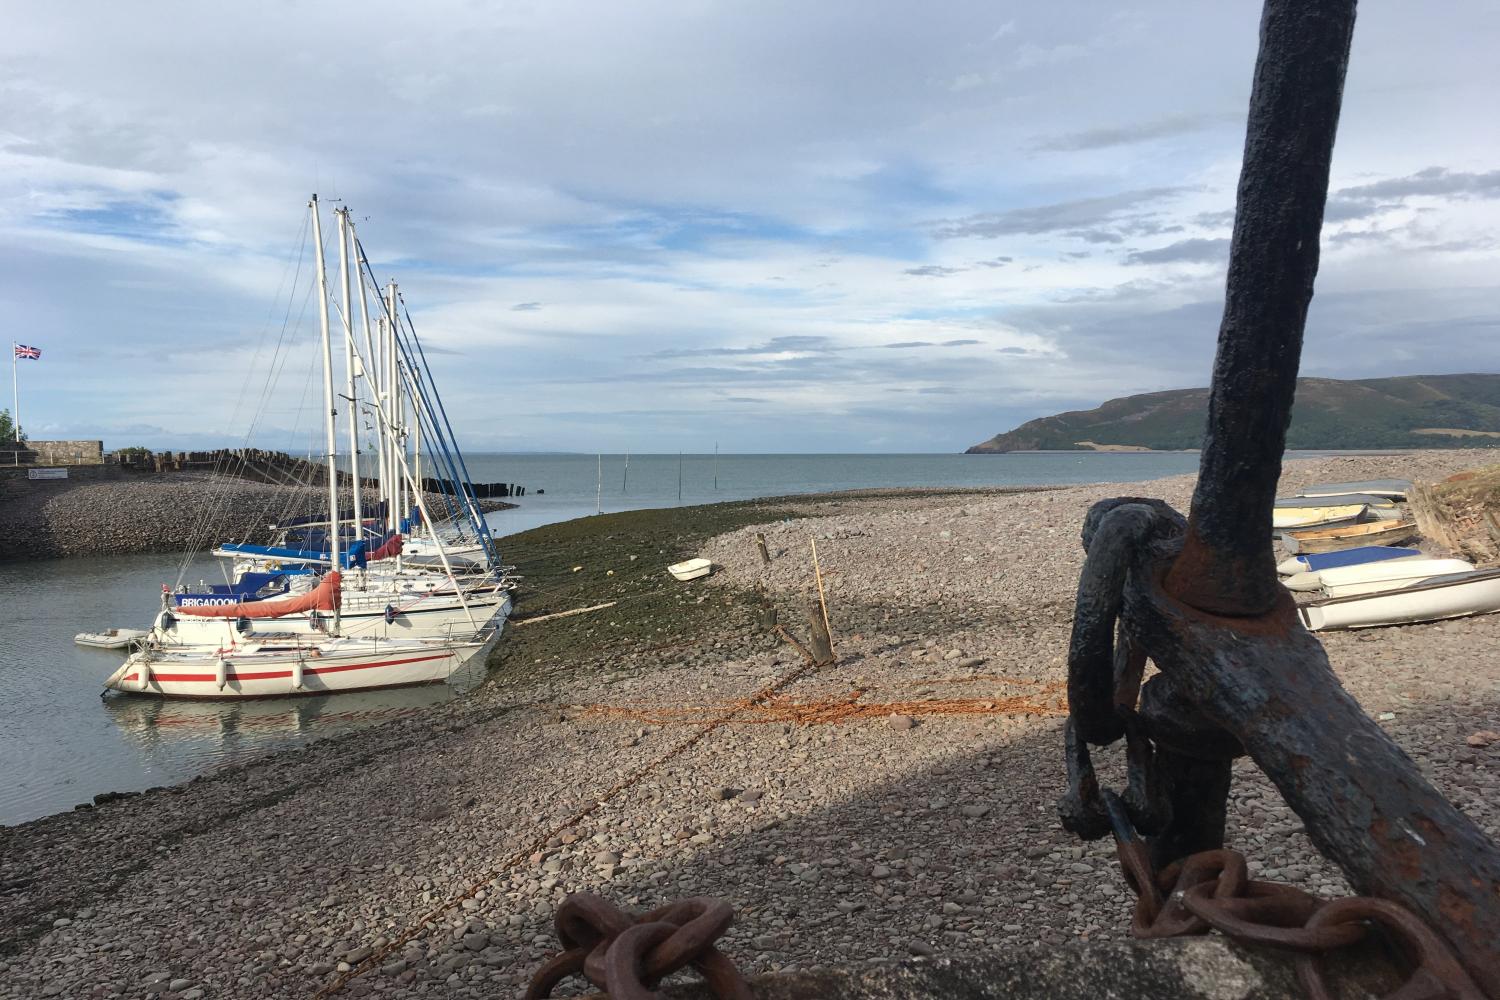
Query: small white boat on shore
[
  {"x": 113, "y": 638},
  {"x": 1456, "y": 596},
  {"x": 692, "y": 569},
  {"x": 1347, "y": 557},
  {"x": 1288, "y": 518},
  {"x": 1382, "y": 575},
  {"x": 1348, "y": 536},
  {"x": 1394, "y": 489}
]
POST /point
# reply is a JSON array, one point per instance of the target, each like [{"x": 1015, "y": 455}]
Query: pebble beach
[{"x": 898, "y": 804}]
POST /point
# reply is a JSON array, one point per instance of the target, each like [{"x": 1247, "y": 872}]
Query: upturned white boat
[
  {"x": 113, "y": 638},
  {"x": 1348, "y": 536},
  {"x": 1456, "y": 596},
  {"x": 1390, "y": 572},
  {"x": 1286, "y": 518},
  {"x": 1336, "y": 500},
  {"x": 281, "y": 664},
  {"x": 1348, "y": 557},
  {"x": 692, "y": 569},
  {"x": 1395, "y": 489}
]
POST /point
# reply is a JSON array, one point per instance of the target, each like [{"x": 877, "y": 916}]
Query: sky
[{"x": 781, "y": 227}]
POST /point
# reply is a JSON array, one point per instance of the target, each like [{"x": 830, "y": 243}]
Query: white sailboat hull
[
  {"x": 431, "y": 616},
  {"x": 1474, "y": 593},
  {"x": 273, "y": 671}
]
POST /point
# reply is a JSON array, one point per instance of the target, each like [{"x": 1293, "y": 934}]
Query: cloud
[
  {"x": 1083, "y": 218},
  {"x": 526, "y": 307},
  {"x": 1431, "y": 182},
  {"x": 1117, "y": 135},
  {"x": 910, "y": 343},
  {"x": 1190, "y": 251},
  {"x": 932, "y": 271},
  {"x": 960, "y": 343}
]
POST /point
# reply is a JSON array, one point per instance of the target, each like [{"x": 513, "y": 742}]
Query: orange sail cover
[
  {"x": 389, "y": 550},
  {"x": 325, "y": 596}
]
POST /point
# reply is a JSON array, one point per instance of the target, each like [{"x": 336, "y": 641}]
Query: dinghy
[
  {"x": 1314, "y": 561},
  {"x": 1349, "y": 536},
  {"x": 1338, "y": 500},
  {"x": 1390, "y": 573},
  {"x": 113, "y": 638},
  {"x": 1284, "y": 518},
  {"x": 691, "y": 570},
  {"x": 1456, "y": 596},
  {"x": 1394, "y": 489}
]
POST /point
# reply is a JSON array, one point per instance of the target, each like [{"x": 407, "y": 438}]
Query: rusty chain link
[
  {"x": 627, "y": 954},
  {"x": 1212, "y": 890}
]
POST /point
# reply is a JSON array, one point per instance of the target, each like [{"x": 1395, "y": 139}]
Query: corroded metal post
[
  {"x": 1226, "y": 566},
  {"x": 1238, "y": 673}
]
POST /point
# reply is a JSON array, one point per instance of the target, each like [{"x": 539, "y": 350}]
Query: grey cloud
[
  {"x": 960, "y": 343},
  {"x": 775, "y": 345},
  {"x": 1193, "y": 251},
  {"x": 938, "y": 390},
  {"x": 526, "y": 307},
  {"x": 910, "y": 343},
  {"x": 994, "y": 262},
  {"x": 1433, "y": 181},
  {"x": 932, "y": 271},
  {"x": 1161, "y": 128},
  {"x": 1080, "y": 216}
]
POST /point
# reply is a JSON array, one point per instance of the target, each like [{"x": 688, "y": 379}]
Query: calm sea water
[{"x": 62, "y": 744}]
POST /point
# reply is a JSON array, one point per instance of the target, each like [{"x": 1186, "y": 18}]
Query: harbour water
[{"x": 62, "y": 744}]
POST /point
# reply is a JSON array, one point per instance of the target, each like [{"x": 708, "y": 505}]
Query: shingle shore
[{"x": 839, "y": 833}]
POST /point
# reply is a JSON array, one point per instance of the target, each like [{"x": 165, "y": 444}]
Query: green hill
[{"x": 1410, "y": 411}]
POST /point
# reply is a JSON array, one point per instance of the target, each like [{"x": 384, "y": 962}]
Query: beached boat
[
  {"x": 281, "y": 628},
  {"x": 1336, "y": 500},
  {"x": 1395, "y": 489},
  {"x": 1313, "y": 561},
  {"x": 692, "y": 569},
  {"x": 1349, "y": 536},
  {"x": 1457, "y": 596},
  {"x": 1370, "y": 576},
  {"x": 113, "y": 638},
  {"x": 282, "y": 664},
  {"x": 1287, "y": 518}
]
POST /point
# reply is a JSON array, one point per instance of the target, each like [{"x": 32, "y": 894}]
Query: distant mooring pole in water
[
  {"x": 599, "y": 483},
  {"x": 716, "y": 466},
  {"x": 679, "y": 477},
  {"x": 626, "y": 477}
]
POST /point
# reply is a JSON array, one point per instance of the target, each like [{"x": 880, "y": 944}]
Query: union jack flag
[{"x": 33, "y": 353}]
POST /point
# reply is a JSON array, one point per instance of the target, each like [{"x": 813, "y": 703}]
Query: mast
[
  {"x": 351, "y": 374},
  {"x": 374, "y": 373},
  {"x": 330, "y": 436},
  {"x": 625, "y": 479}
]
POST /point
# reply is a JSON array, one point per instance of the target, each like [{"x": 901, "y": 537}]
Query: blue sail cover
[
  {"x": 353, "y": 557},
  {"x": 250, "y": 587}
]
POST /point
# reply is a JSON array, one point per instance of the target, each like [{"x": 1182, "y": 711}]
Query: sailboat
[{"x": 283, "y": 632}]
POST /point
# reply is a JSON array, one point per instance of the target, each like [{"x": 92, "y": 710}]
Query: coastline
[{"x": 950, "y": 610}]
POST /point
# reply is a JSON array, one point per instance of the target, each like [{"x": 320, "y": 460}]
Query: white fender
[
  {"x": 221, "y": 672},
  {"x": 297, "y": 674},
  {"x": 143, "y": 674}
]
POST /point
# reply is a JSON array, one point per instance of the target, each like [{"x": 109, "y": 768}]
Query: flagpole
[{"x": 15, "y": 391}]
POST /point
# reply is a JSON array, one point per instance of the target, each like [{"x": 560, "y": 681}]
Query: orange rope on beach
[{"x": 1050, "y": 701}]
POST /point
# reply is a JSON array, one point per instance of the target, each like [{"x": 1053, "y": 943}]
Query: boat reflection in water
[{"x": 171, "y": 732}]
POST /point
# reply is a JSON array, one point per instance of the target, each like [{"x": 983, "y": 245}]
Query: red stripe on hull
[{"x": 265, "y": 675}]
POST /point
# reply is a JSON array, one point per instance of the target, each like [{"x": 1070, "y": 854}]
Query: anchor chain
[
  {"x": 1212, "y": 890},
  {"x": 627, "y": 954}
]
